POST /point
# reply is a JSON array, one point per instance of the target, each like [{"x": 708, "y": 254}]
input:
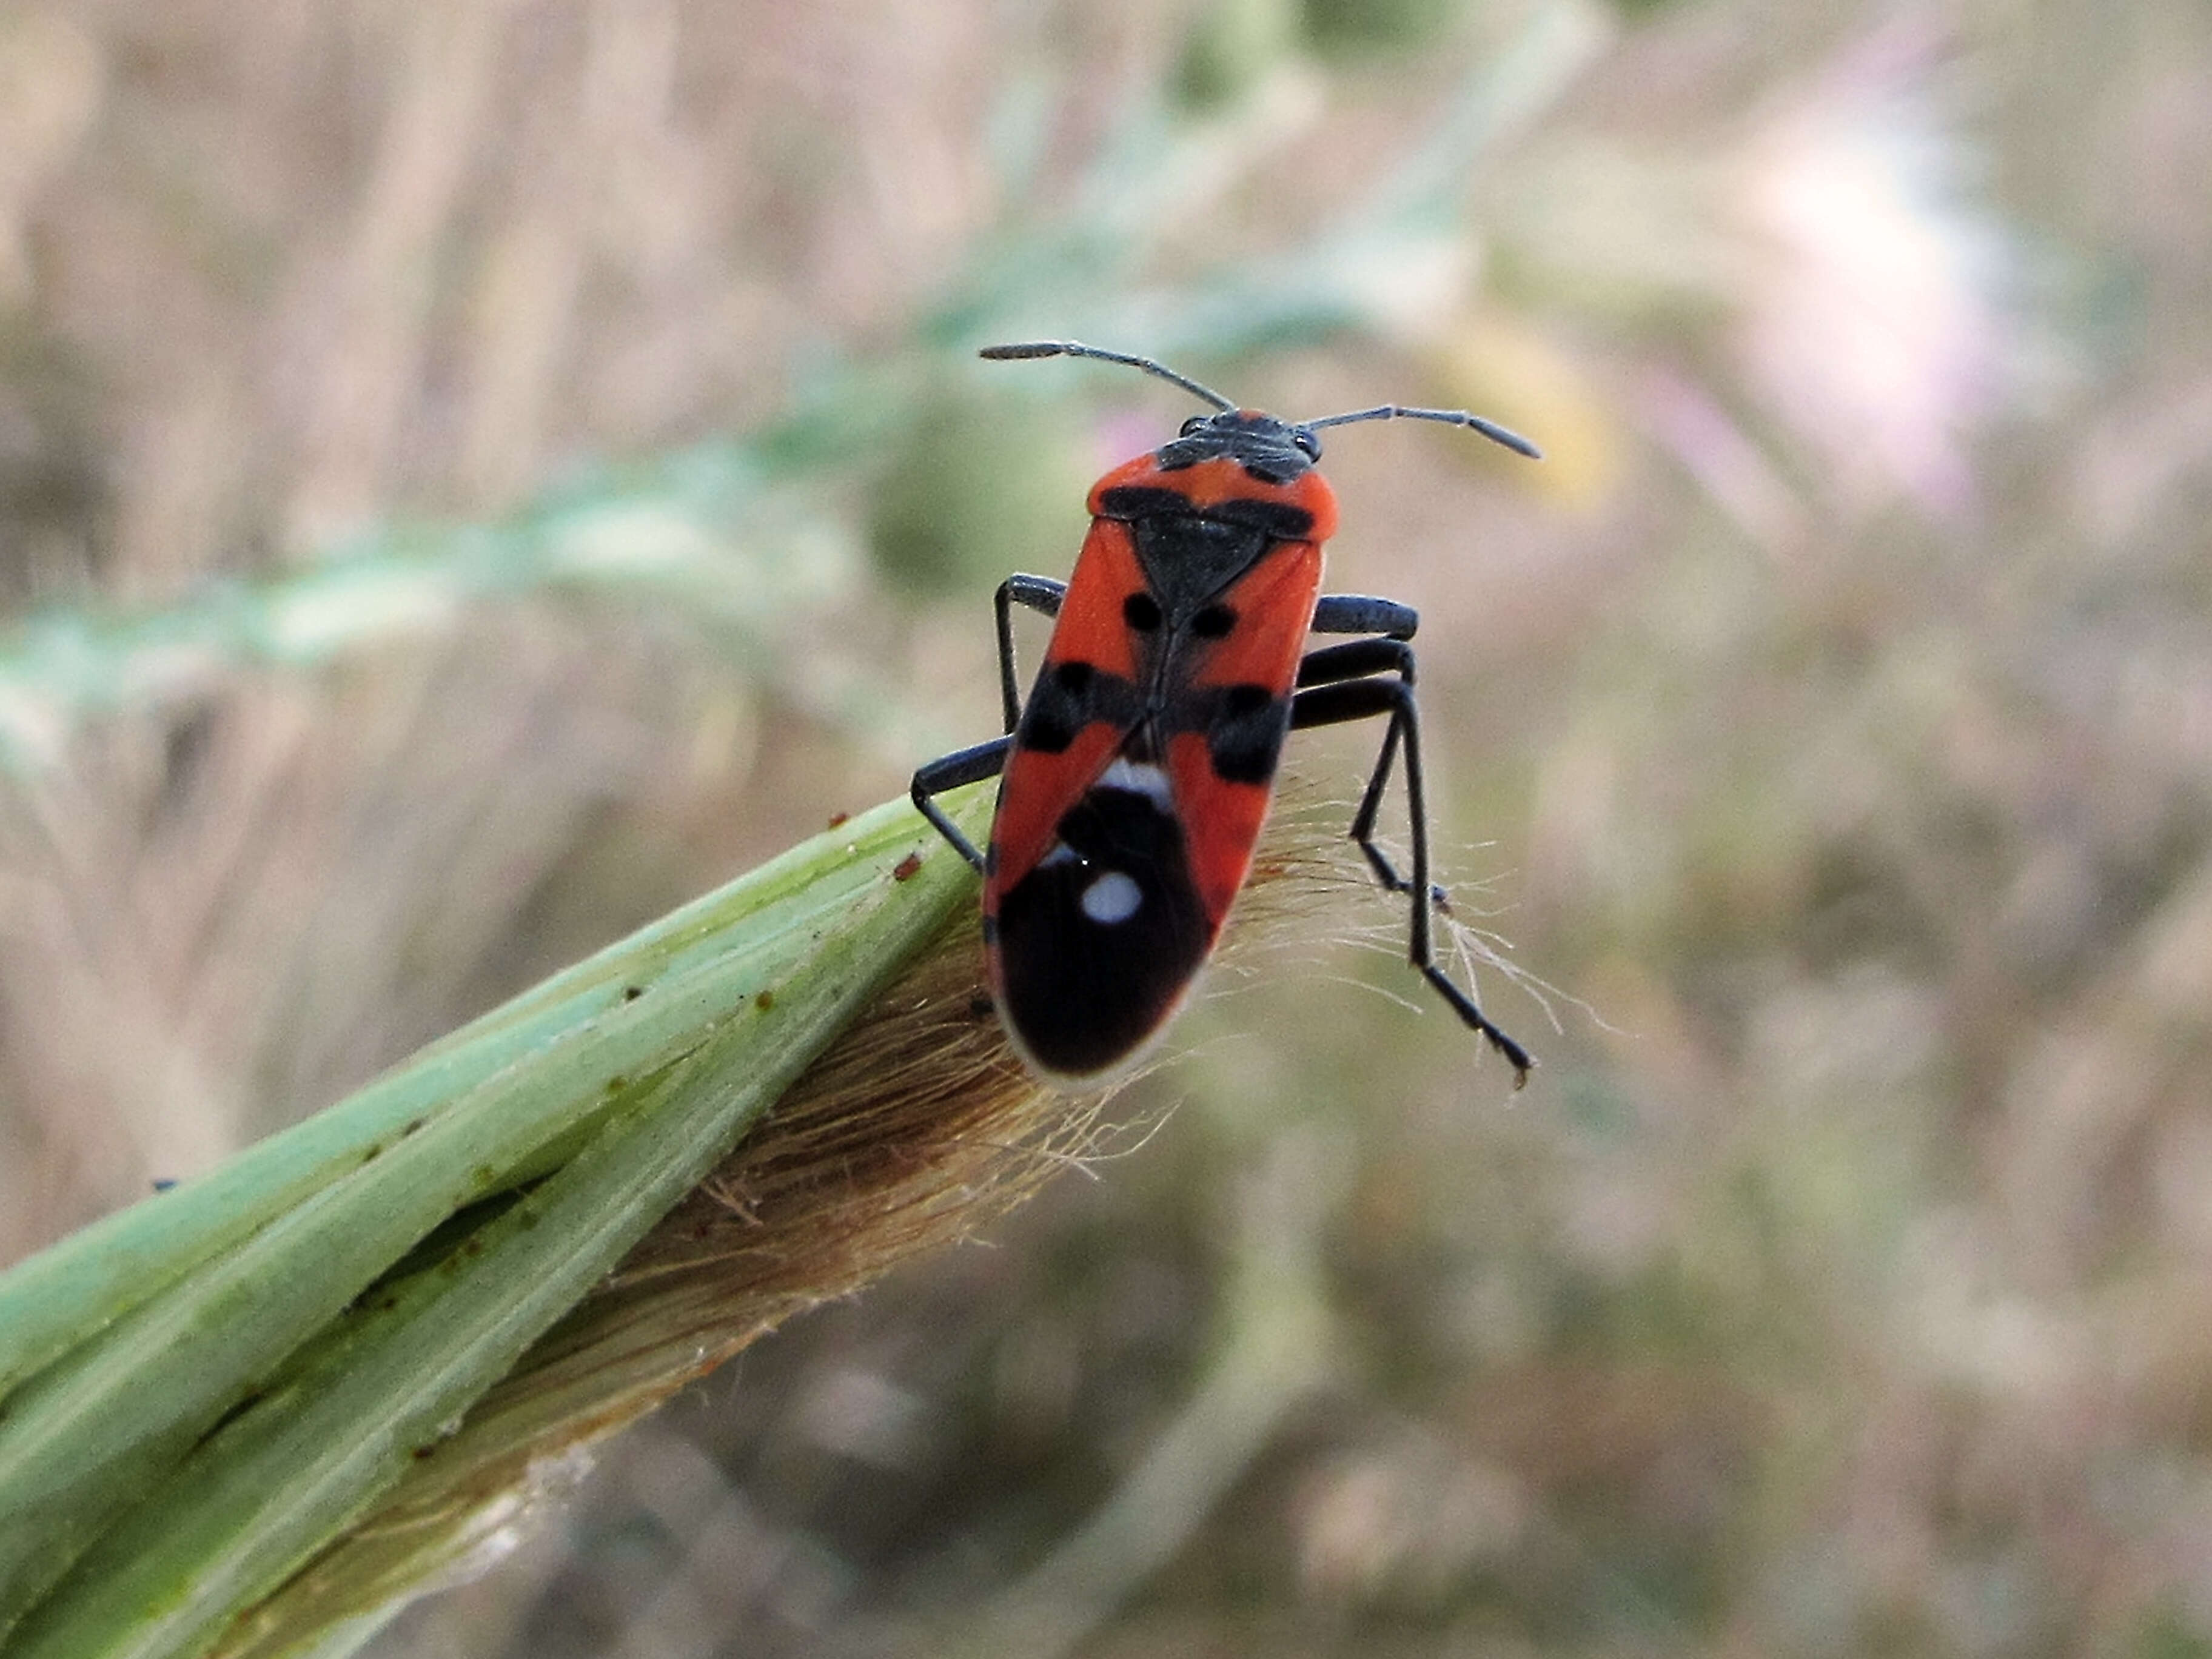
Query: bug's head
[{"x": 1271, "y": 451}]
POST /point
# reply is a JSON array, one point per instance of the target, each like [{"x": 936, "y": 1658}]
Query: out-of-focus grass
[{"x": 1835, "y": 697}]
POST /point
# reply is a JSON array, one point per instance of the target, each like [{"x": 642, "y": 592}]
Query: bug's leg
[
  {"x": 1039, "y": 593},
  {"x": 1348, "y": 695},
  {"x": 973, "y": 765},
  {"x": 1358, "y": 659},
  {"x": 1363, "y": 613}
]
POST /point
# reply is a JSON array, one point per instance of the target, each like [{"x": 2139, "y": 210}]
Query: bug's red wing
[
  {"x": 1103, "y": 903},
  {"x": 1274, "y": 604},
  {"x": 1040, "y": 786},
  {"x": 1078, "y": 999}
]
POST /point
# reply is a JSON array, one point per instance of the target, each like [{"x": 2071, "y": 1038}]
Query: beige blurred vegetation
[{"x": 1831, "y": 714}]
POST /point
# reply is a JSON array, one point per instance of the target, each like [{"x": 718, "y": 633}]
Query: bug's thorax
[{"x": 1205, "y": 509}]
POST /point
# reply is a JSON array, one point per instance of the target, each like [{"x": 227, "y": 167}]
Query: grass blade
[{"x": 329, "y": 1396}]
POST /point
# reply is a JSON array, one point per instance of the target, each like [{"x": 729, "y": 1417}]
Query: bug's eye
[
  {"x": 1307, "y": 442},
  {"x": 1193, "y": 424}
]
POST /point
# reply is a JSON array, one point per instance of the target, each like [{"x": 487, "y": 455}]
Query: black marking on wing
[
  {"x": 1244, "y": 727},
  {"x": 1068, "y": 696},
  {"x": 1082, "y": 995}
]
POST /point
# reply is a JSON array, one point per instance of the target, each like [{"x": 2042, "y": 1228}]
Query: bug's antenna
[
  {"x": 1490, "y": 430},
  {"x": 1075, "y": 349}
]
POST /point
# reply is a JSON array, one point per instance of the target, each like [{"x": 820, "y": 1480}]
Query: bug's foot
[{"x": 1469, "y": 1010}]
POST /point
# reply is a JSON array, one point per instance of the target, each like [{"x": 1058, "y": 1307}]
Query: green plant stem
[{"x": 108, "y": 1473}]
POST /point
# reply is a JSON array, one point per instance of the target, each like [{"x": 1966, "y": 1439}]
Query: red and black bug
[{"x": 1138, "y": 774}]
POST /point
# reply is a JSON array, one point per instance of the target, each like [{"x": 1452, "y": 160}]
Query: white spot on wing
[
  {"x": 1137, "y": 778},
  {"x": 1112, "y": 897}
]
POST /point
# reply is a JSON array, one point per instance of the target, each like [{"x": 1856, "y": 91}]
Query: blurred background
[{"x": 473, "y": 476}]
